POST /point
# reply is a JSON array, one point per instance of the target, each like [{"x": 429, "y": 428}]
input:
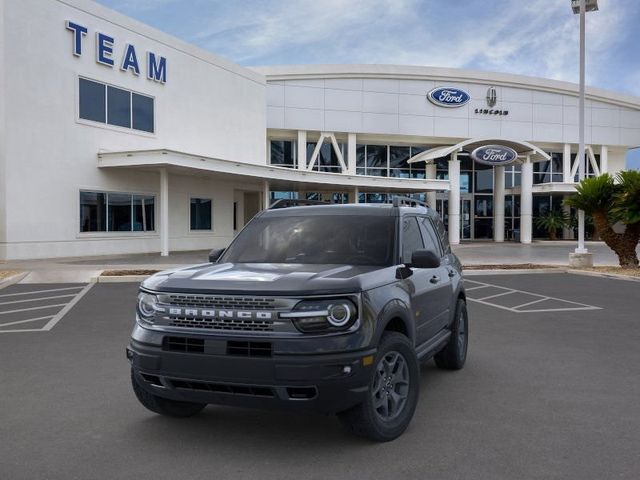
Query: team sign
[{"x": 156, "y": 65}]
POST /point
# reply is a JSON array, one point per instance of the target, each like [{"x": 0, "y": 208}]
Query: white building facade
[{"x": 117, "y": 138}]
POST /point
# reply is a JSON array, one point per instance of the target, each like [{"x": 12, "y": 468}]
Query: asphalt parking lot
[{"x": 551, "y": 390}]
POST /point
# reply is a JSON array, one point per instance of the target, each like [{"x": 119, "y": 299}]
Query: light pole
[{"x": 580, "y": 7}]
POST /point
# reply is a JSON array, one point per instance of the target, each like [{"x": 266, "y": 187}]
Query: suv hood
[{"x": 269, "y": 278}]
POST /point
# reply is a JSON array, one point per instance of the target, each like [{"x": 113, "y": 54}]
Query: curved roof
[
  {"x": 522, "y": 148},
  {"x": 410, "y": 72}
]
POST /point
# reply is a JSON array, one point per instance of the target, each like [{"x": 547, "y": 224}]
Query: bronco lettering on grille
[{"x": 210, "y": 313}]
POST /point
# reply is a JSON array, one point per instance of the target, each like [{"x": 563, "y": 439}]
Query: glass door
[{"x": 466, "y": 220}]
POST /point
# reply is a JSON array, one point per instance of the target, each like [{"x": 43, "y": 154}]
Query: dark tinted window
[
  {"x": 143, "y": 213},
  {"x": 92, "y": 101},
  {"x": 411, "y": 238},
  {"x": 119, "y": 212},
  {"x": 118, "y": 107},
  {"x": 316, "y": 239},
  {"x": 142, "y": 113},
  {"x": 430, "y": 236},
  {"x": 200, "y": 214},
  {"x": 282, "y": 153},
  {"x": 93, "y": 212}
]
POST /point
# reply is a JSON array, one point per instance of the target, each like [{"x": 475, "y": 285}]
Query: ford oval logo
[
  {"x": 494, "y": 155},
  {"x": 448, "y": 97}
]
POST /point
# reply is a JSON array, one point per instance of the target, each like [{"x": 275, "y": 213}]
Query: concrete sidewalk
[{"x": 83, "y": 269}]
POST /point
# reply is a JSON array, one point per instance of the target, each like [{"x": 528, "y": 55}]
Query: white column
[
  {"x": 266, "y": 195},
  {"x": 431, "y": 173},
  {"x": 526, "y": 202},
  {"x": 498, "y": 204},
  {"x": 454, "y": 200},
  {"x": 356, "y": 195},
  {"x": 604, "y": 159},
  {"x": 351, "y": 153},
  {"x": 302, "y": 150},
  {"x": 566, "y": 164},
  {"x": 164, "y": 212},
  {"x": 567, "y": 231}
]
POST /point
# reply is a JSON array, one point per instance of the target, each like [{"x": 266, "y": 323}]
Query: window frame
[
  {"x": 116, "y": 233},
  {"x": 105, "y": 124},
  {"x": 402, "y": 219}
]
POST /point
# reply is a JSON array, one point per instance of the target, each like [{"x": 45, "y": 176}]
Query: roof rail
[
  {"x": 295, "y": 202},
  {"x": 399, "y": 201}
]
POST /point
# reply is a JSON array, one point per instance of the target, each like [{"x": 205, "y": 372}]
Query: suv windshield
[{"x": 316, "y": 239}]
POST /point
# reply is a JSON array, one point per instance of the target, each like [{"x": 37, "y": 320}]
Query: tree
[
  {"x": 610, "y": 202},
  {"x": 552, "y": 221}
]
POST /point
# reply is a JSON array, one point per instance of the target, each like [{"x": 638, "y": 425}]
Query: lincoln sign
[{"x": 494, "y": 155}]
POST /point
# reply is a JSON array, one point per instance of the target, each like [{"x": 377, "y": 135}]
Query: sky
[{"x": 529, "y": 37}]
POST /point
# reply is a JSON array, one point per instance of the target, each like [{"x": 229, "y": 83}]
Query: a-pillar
[
  {"x": 526, "y": 202},
  {"x": 164, "y": 212},
  {"x": 431, "y": 173},
  {"x": 454, "y": 199},
  {"x": 498, "y": 204}
]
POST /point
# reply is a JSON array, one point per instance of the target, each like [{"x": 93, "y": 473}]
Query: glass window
[
  {"x": 201, "y": 214},
  {"x": 411, "y": 238},
  {"x": 144, "y": 213},
  {"x": 320, "y": 239},
  {"x": 142, "y": 113},
  {"x": 465, "y": 182},
  {"x": 377, "y": 156},
  {"x": 483, "y": 179},
  {"x": 283, "y": 153},
  {"x": 118, "y": 107},
  {"x": 360, "y": 155},
  {"x": 119, "y": 212},
  {"x": 93, "y": 212},
  {"x": 92, "y": 101},
  {"x": 483, "y": 205},
  {"x": 430, "y": 237}
]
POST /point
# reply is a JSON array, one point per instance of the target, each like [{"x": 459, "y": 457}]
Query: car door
[
  {"x": 423, "y": 284},
  {"x": 443, "y": 289}
]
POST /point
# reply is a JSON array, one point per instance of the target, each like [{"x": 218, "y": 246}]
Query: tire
[
  {"x": 454, "y": 354},
  {"x": 164, "y": 406},
  {"x": 395, "y": 362}
]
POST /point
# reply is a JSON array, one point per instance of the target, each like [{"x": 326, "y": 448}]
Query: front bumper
[{"x": 324, "y": 383}]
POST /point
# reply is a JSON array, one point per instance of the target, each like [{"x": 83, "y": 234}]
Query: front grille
[
  {"x": 183, "y": 344},
  {"x": 214, "y": 301},
  {"x": 246, "y": 325},
  {"x": 249, "y": 349},
  {"x": 252, "y": 390}
]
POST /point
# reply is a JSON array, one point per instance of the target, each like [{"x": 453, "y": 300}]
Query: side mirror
[
  {"x": 424, "y": 259},
  {"x": 215, "y": 254}
]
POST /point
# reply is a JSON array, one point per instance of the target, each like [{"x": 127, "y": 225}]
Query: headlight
[
  {"x": 316, "y": 316},
  {"x": 147, "y": 306}
]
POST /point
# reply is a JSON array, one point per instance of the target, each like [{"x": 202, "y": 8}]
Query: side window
[
  {"x": 411, "y": 238},
  {"x": 442, "y": 233},
  {"x": 431, "y": 241}
]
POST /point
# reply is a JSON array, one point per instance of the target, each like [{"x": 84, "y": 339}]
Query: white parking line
[
  {"x": 25, "y": 321},
  {"x": 521, "y": 308},
  {"x": 32, "y": 308},
  {"x": 39, "y": 299},
  {"x": 51, "y": 323},
  {"x": 41, "y": 291}
]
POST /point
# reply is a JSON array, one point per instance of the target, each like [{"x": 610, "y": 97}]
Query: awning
[
  {"x": 182, "y": 163},
  {"x": 522, "y": 148}
]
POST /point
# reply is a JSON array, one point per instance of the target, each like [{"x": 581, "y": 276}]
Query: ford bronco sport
[{"x": 325, "y": 308}]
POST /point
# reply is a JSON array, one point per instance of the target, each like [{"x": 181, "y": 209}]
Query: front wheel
[
  {"x": 454, "y": 354},
  {"x": 392, "y": 395},
  {"x": 164, "y": 406}
]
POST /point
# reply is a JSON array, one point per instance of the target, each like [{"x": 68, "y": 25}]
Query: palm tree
[
  {"x": 609, "y": 202},
  {"x": 552, "y": 221}
]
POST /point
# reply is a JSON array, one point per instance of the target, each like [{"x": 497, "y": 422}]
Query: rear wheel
[
  {"x": 454, "y": 354},
  {"x": 164, "y": 406},
  {"x": 392, "y": 395}
]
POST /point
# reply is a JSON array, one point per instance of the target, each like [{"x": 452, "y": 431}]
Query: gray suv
[{"x": 325, "y": 308}]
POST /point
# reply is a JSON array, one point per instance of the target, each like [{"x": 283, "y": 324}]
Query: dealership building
[{"x": 118, "y": 138}]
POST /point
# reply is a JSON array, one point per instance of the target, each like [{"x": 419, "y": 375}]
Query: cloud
[{"x": 533, "y": 37}]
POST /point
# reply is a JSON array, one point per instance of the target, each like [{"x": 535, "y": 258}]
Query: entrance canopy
[{"x": 522, "y": 148}]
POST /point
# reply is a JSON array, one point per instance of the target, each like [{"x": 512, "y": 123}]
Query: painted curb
[
  {"x": 519, "y": 271},
  {"x": 120, "y": 279},
  {"x": 613, "y": 276},
  {"x": 13, "y": 279}
]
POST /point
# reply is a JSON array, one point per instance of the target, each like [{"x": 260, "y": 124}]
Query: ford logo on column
[
  {"x": 448, "y": 97},
  {"x": 494, "y": 155}
]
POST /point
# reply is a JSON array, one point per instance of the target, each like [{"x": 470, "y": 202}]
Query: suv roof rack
[
  {"x": 399, "y": 201},
  {"x": 295, "y": 202}
]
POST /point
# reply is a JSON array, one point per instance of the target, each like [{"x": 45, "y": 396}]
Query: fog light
[{"x": 368, "y": 360}]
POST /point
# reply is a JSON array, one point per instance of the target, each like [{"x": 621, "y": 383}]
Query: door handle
[
  {"x": 435, "y": 279},
  {"x": 452, "y": 273}
]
